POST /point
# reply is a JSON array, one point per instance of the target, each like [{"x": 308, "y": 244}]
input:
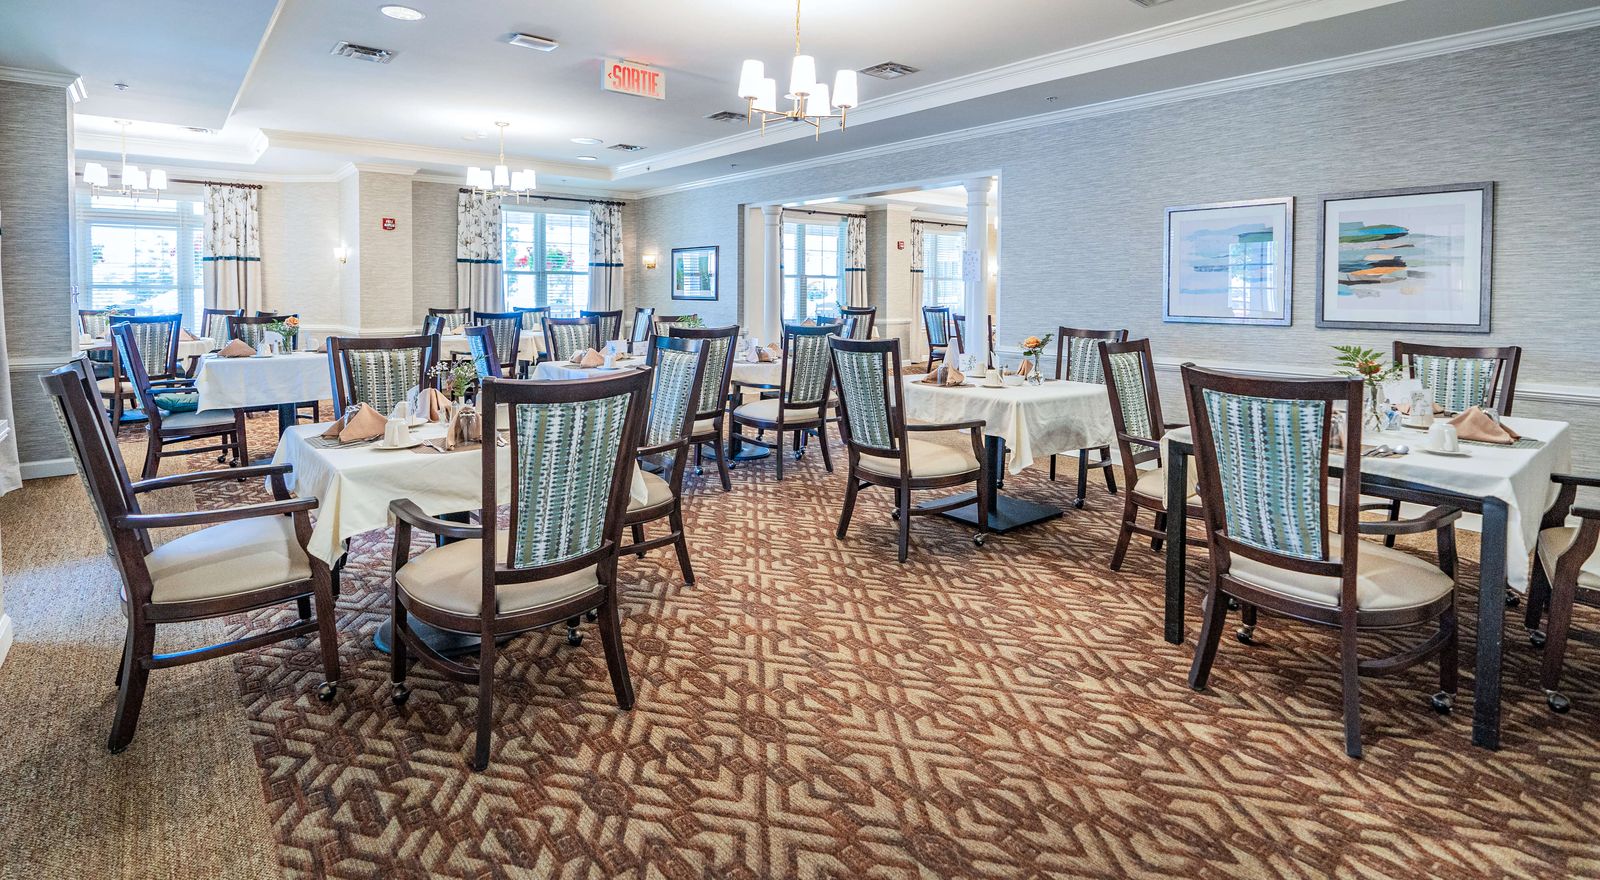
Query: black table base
[
  {"x": 1005, "y": 512},
  {"x": 447, "y": 643}
]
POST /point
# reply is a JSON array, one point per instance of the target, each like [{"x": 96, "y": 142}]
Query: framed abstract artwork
[
  {"x": 694, "y": 273},
  {"x": 1406, "y": 259},
  {"x": 1230, "y": 263}
]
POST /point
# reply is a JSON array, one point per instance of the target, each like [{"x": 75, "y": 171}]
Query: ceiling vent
[
  {"x": 890, "y": 70},
  {"x": 1148, "y": 3},
  {"x": 529, "y": 41},
  {"x": 626, "y": 148},
  {"x": 363, "y": 53},
  {"x": 726, "y": 116}
]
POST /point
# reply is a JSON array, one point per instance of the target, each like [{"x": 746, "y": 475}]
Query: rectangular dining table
[
  {"x": 1508, "y": 486},
  {"x": 530, "y": 346},
  {"x": 282, "y": 380},
  {"x": 1033, "y": 422}
]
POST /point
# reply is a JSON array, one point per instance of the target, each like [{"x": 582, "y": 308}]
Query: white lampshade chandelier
[
  {"x": 810, "y": 100},
  {"x": 134, "y": 181},
  {"x": 501, "y": 180}
]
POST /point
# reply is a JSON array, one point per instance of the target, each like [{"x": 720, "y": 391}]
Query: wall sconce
[
  {"x": 649, "y": 261},
  {"x": 341, "y": 253}
]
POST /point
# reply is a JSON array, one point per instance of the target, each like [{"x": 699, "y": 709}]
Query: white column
[
  {"x": 975, "y": 267},
  {"x": 769, "y": 321}
]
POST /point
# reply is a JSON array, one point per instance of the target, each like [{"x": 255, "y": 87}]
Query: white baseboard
[
  {"x": 49, "y": 467},
  {"x": 7, "y": 636}
]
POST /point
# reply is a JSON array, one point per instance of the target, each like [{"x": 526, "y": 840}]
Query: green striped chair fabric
[
  {"x": 480, "y": 355},
  {"x": 610, "y": 324},
  {"x": 453, "y": 320},
  {"x": 382, "y": 378},
  {"x": 569, "y": 339},
  {"x": 567, "y": 456},
  {"x": 808, "y": 369},
  {"x": 254, "y": 335},
  {"x": 938, "y": 323},
  {"x": 505, "y": 332},
  {"x": 215, "y": 328},
  {"x": 1269, "y": 461},
  {"x": 864, "y": 387},
  {"x": 1083, "y": 361},
  {"x": 1127, "y": 381},
  {"x": 1457, "y": 383},
  {"x": 670, "y": 389},
  {"x": 533, "y": 319},
  {"x": 717, "y": 352},
  {"x": 153, "y": 341}
]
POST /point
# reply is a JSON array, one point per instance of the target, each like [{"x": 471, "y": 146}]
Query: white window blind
[
  {"x": 813, "y": 269},
  {"x": 546, "y": 258},
  {"x": 942, "y": 284},
  {"x": 142, "y": 254}
]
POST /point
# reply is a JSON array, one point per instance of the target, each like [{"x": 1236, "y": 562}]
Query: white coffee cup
[
  {"x": 992, "y": 378},
  {"x": 401, "y": 411},
  {"x": 396, "y": 433},
  {"x": 611, "y": 357},
  {"x": 1442, "y": 437}
]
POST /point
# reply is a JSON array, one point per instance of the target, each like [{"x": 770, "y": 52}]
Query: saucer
[
  {"x": 415, "y": 441},
  {"x": 1459, "y": 453}
]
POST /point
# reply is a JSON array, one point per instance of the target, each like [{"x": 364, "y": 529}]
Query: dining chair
[
  {"x": 610, "y": 324},
  {"x": 936, "y": 323},
  {"x": 253, "y": 331},
  {"x": 572, "y": 448},
  {"x": 713, "y": 398},
  {"x": 454, "y": 319},
  {"x": 247, "y": 557},
  {"x": 882, "y": 452},
  {"x": 565, "y": 337},
  {"x": 432, "y": 325},
  {"x": 533, "y": 318},
  {"x": 858, "y": 322},
  {"x": 214, "y": 325},
  {"x": 676, "y": 381},
  {"x": 1566, "y": 571},
  {"x": 643, "y": 324},
  {"x": 266, "y": 313},
  {"x": 96, "y": 324},
  {"x": 664, "y": 324},
  {"x": 1261, "y": 450},
  {"x": 958, "y": 328},
  {"x": 802, "y": 399},
  {"x": 1078, "y": 360},
  {"x": 507, "y": 327},
  {"x": 170, "y": 401},
  {"x": 481, "y": 348},
  {"x": 1462, "y": 376},
  {"x": 159, "y": 337},
  {"x": 379, "y": 371},
  {"x": 1128, "y": 371}
]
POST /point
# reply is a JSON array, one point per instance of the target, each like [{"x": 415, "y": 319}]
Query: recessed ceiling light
[
  {"x": 587, "y": 141},
  {"x": 403, "y": 13},
  {"x": 587, "y": 159}
]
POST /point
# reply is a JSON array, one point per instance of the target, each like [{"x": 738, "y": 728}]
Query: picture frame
[
  {"x": 1230, "y": 263},
  {"x": 1413, "y": 259},
  {"x": 694, "y": 273}
]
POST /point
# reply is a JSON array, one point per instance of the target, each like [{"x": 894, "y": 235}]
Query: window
[
  {"x": 942, "y": 284},
  {"x": 142, "y": 253},
  {"x": 546, "y": 259},
  {"x": 813, "y": 263}
]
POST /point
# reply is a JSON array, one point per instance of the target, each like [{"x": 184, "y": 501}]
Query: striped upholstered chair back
[
  {"x": 454, "y": 319},
  {"x": 214, "y": 325},
  {"x": 155, "y": 345},
  {"x": 1078, "y": 353},
  {"x": 533, "y": 318},
  {"x": 1129, "y": 374},
  {"x": 936, "y": 321},
  {"x": 644, "y": 318},
  {"x": 378, "y": 371},
  {"x": 432, "y": 325},
  {"x": 507, "y": 329},
  {"x": 675, "y": 387},
  {"x": 610, "y": 324},
  {"x": 253, "y": 331},
  {"x": 565, "y": 337},
  {"x": 483, "y": 350},
  {"x": 1462, "y": 377},
  {"x": 97, "y": 323},
  {"x": 865, "y": 373},
  {"x": 664, "y": 324},
  {"x": 719, "y": 342},
  {"x": 805, "y": 364},
  {"x": 858, "y": 322}
]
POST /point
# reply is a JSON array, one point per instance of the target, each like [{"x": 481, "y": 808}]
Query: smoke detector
[
  {"x": 626, "y": 148},
  {"x": 1149, "y": 3},
  {"x": 363, "y": 53},
  {"x": 726, "y": 116}
]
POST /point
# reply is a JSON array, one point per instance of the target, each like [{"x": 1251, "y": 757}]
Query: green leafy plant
[
  {"x": 285, "y": 327},
  {"x": 690, "y": 321},
  {"x": 457, "y": 377},
  {"x": 1366, "y": 364}
]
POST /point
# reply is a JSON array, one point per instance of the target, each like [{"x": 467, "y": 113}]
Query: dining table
[
  {"x": 553, "y": 371},
  {"x": 1031, "y": 422},
  {"x": 187, "y": 348},
  {"x": 1508, "y": 486},
  {"x": 280, "y": 380},
  {"x": 530, "y": 346}
]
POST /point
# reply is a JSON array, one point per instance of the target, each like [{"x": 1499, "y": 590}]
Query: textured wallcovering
[
  {"x": 386, "y": 271},
  {"x": 1082, "y": 202},
  {"x": 299, "y": 230},
  {"x": 433, "y": 248}
]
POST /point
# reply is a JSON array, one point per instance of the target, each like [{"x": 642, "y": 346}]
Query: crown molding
[
  {"x": 57, "y": 78},
  {"x": 418, "y": 155},
  {"x": 163, "y": 149},
  {"x": 1493, "y": 36},
  {"x": 350, "y": 168}
]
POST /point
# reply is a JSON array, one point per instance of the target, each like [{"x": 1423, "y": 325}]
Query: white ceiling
[{"x": 260, "y": 72}]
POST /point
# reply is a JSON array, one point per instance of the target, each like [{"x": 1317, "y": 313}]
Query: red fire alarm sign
[{"x": 388, "y": 224}]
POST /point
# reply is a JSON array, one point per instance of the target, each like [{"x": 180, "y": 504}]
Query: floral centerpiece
[
  {"x": 1368, "y": 366},
  {"x": 456, "y": 378},
  {"x": 690, "y": 321},
  {"x": 286, "y": 328},
  {"x": 1032, "y": 348}
]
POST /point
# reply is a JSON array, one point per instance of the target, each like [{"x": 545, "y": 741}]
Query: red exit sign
[{"x": 633, "y": 79}]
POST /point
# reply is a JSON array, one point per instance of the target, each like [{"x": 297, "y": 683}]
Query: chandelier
[
  {"x": 134, "y": 181},
  {"x": 501, "y": 181},
  {"x": 809, "y": 99}
]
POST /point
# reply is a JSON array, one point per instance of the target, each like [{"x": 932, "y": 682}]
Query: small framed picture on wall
[
  {"x": 694, "y": 273},
  {"x": 1230, "y": 263}
]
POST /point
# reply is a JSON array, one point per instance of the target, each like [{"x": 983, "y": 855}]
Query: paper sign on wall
[
  {"x": 388, "y": 224},
  {"x": 631, "y": 78}
]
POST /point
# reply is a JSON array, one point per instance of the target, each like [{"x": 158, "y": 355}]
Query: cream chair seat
[
  {"x": 211, "y": 418},
  {"x": 658, "y": 492},
  {"x": 109, "y": 386},
  {"x": 450, "y": 578},
  {"x": 766, "y": 410},
  {"x": 1554, "y": 542},
  {"x": 927, "y": 459},
  {"x": 228, "y": 559},
  {"x": 1386, "y": 580},
  {"x": 1153, "y": 484}
]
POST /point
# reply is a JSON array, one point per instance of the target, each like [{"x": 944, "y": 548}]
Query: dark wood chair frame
[
  {"x": 603, "y": 318},
  {"x": 339, "y": 348},
  {"x": 492, "y": 627},
  {"x": 464, "y": 312},
  {"x": 432, "y": 325},
  {"x": 854, "y": 317},
  {"x": 229, "y": 440},
  {"x": 1105, "y": 464},
  {"x": 941, "y": 314},
  {"x": 105, "y": 360},
  {"x": 717, "y": 412},
  {"x": 678, "y": 449},
  {"x": 550, "y": 338},
  {"x": 643, "y": 324},
  {"x": 1557, "y": 591},
  {"x": 903, "y": 484},
  {"x": 305, "y": 410},
  {"x": 784, "y": 423},
  {"x": 1346, "y": 617},
  {"x": 491, "y": 368},
  {"x": 514, "y": 347},
  {"x": 662, "y": 325},
  {"x": 116, "y": 502},
  {"x": 540, "y": 314}
]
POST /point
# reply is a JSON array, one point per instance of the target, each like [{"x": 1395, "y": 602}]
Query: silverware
[
  {"x": 1402, "y": 449},
  {"x": 1378, "y": 451},
  {"x": 434, "y": 446}
]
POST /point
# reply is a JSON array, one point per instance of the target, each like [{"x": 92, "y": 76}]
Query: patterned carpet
[{"x": 810, "y": 708}]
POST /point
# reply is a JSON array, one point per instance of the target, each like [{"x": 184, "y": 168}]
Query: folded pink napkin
[
  {"x": 185, "y": 336},
  {"x": 1475, "y": 424},
  {"x": 1405, "y": 409},
  {"x": 238, "y": 348},
  {"x": 433, "y": 405},
  {"x": 589, "y": 358},
  {"x": 361, "y": 423},
  {"x": 771, "y": 354}
]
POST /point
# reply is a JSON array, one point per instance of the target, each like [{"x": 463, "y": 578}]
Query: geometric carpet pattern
[{"x": 811, "y": 708}]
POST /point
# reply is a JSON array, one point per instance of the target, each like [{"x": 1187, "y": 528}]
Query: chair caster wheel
[
  {"x": 699, "y": 471},
  {"x": 799, "y": 455},
  {"x": 894, "y": 514},
  {"x": 1513, "y": 600},
  {"x": 1077, "y": 503},
  {"x": 222, "y": 459},
  {"x": 1536, "y": 638},
  {"x": 399, "y": 694},
  {"x": 574, "y": 638},
  {"x": 327, "y": 691},
  {"x": 1441, "y": 702},
  {"x": 1233, "y": 604},
  {"x": 591, "y": 615},
  {"x": 979, "y": 540},
  {"x": 1246, "y": 635},
  {"x": 1558, "y": 703}
]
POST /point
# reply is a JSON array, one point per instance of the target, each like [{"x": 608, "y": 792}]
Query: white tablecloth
[
  {"x": 228, "y": 383},
  {"x": 1036, "y": 421},
  {"x": 1520, "y": 477},
  {"x": 529, "y": 346},
  {"x": 354, "y": 485},
  {"x": 753, "y": 373},
  {"x": 552, "y": 371},
  {"x": 187, "y": 348}
]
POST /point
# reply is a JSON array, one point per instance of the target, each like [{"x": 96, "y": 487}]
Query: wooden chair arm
[
  {"x": 1431, "y": 521},
  {"x": 1576, "y": 480},
  {"x": 405, "y": 510},
  {"x": 1140, "y": 441},
  {"x": 1173, "y": 426},
  {"x": 1586, "y": 512},
  {"x": 211, "y": 517},
  {"x": 170, "y": 384},
  {"x": 969, "y": 425},
  {"x": 239, "y": 473},
  {"x": 659, "y": 448}
]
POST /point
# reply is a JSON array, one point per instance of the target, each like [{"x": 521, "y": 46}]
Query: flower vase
[
  {"x": 1035, "y": 375},
  {"x": 1372, "y": 419}
]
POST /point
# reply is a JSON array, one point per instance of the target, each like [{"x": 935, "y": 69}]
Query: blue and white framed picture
[{"x": 1230, "y": 263}]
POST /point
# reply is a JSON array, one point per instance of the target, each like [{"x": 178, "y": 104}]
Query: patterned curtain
[
  {"x": 605, "y": 257},
  {"x": 10, "y": 470},
  {"x": 478, "y": 253},
  {"x": 855, "y": 262},
  {"x": 919, "y": 339},
  {"x": 232, "y": 247}
]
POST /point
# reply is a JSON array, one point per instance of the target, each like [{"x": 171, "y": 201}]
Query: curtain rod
[
  {"x": 467, "y": 189},
  {"x": 823, "y": 213},
  {"x": 217, "y": 183},
  {"x": 938, "y": 223}
]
